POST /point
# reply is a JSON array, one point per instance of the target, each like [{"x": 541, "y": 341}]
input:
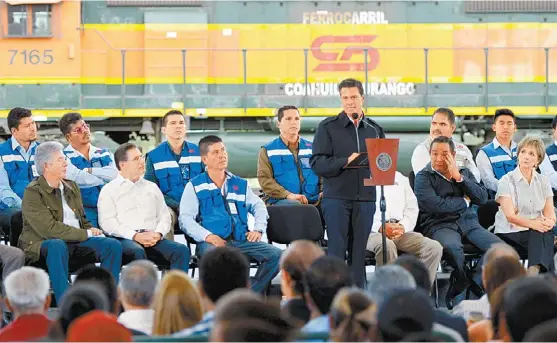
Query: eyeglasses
[
  {"x": 139, "y": 158},
  {"x": 83, "y": 128}
]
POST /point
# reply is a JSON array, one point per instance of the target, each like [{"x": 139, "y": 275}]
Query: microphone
[{"x": 355, "y": 116}]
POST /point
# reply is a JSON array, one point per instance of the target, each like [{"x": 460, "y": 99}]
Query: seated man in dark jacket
[
  {"x": 445, "y": 194},
  {"x": 54, "y": 225}
]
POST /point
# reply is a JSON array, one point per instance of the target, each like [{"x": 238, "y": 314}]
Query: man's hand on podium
[{"x": 352, "y": 157}]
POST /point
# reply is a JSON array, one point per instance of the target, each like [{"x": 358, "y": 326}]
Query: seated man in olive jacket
[{"x": 54, "y": 225}]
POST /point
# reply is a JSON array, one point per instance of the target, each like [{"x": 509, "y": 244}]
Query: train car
[{"x": 230, "y": 64}]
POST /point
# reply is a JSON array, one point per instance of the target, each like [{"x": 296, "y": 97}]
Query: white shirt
[
  {"x": 464, "y": 157},
  {"x": 140, "y": 320},
  {"x": 401, "y": 202},
  {"x": 531, "y": 198},
  {"x": 126, "y": 206},
  {"x": 466, "y": 307},
  {"x": 485, "y": 167},
  {"x": 69, "y": 217}
]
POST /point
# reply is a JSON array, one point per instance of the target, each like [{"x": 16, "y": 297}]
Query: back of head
[
  {"x": 177, "y": 304},
  {"x": 501, "y": 270},
  {"x": 353, "y": 316},
  {"x": 544, "y": 332},
  {"x": 417, "y": 269},
  {"x": 405, "y": 313},
  {"x": 324, "y": 278},
  {"x": 104, "y": 278},
  {"x": 80, "y": 299},
  {"x": 297, "y": 258},
  {"x": 87, "y": 329},
  {"x": 386, "y": 279},
  {"x": 27, "y": 290},
  {"x": 497, "y": 250},
  {"x": 242, "y": 315},
  {"x": 222, "y": 270},
  {"x": 138, "y": 282},
  {"x": 528, "y": 302}
]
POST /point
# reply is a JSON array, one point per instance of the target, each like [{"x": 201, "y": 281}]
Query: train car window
[{"x": 30, "y": 20}]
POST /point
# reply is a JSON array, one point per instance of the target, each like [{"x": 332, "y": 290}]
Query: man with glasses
[
  {"x": 94, "y": 167},
  {"x": 132, "y": 209}
]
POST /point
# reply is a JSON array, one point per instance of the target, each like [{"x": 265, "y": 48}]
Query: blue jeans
[
  {"x": 56, "y": 253},
  {"x": 266, "y": 254},
  {"x": 92, "y": 216},
  {"x": 177, "y": 254}
]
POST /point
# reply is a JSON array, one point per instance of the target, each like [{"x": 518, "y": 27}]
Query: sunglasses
[{"x": 82, "y": 129}]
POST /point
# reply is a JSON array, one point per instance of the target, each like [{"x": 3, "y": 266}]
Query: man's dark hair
[
  {"x": 67, "y": 121},
  {"x": 554, "y": 123},
  {"x": 170, "y": 113},
  {"x": 104, "y": 278},
  {"x": 503, "y": 112},
  {"x": 417, "y": 268},
  {"x": 280, "y": 112},
  {"x": 222, "y": 270},
  {"x": 324, "y": 278},
  {"x": 448, "y": 112},
  {"x": 121, "y": 153},
  {"x": 81, "y": 299},
  {"x": 528, "y": 302},
  {"x": 443, "y": 139},
  {"x": 206, "y": 142},
  {"x": 15, "y": 116},
  {"x": 351, "y": 83}
]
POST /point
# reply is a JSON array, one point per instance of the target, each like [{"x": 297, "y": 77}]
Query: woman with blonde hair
[
  {"x": 352, "y": 316},
  {"x": 526, "y": 217},
  {"x": 177, "y": 304}
]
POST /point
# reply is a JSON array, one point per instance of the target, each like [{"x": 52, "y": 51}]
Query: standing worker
[{"x": 348, "y": 206}]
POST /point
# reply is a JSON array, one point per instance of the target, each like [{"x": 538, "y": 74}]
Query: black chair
[
  {"x": 288, "y": 223},
  {"x": 487, "y": 212}
]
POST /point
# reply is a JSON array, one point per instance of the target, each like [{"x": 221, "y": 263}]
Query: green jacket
[{"x": 43, "y": 216}]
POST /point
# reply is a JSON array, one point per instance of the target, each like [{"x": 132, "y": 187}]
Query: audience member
[
  {"x": 177, "y": 304},
  {"x": 386, "y": 279},
  {"x": 527, "y": 302},
  {"x": 244, "y": 316},
  {"x": 544, "y": 332},
  {"x": 324, "y": 278},
  {"x": 445, "y": 193},
  {"x": 221, "y": 271},
  {"x": 401, "y": 217},
  {"x": 352, "y": 317},
  {"x": 526, "y": 215},
  {"x": 77, "y": 301},
  {"x": 133, "y": 210},
  {"x": 28, "y": 298},
  {"x": 294, "y": 263},
  {"x": 98, "y": 326},
  {"x": 55, "y": 228},
  {"x": 136, "y": 291},
  {"x": 92, "y": 273},
  {"x": 405, "y": 316},
  {"x": 497, "y": 278},
  {"x": 214, "y": 211},
  {"x": 445, "y": 324}
]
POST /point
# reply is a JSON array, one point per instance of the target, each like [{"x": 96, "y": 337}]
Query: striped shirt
[{"x": 203, "y": 328}]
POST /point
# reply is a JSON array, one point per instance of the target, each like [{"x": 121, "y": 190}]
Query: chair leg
[{"x": 436, "y": 290}]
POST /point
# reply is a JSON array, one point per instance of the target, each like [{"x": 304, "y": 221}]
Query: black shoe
[
  {"x": 474, "y": 287},
  {"x": 456, "y": 286}
]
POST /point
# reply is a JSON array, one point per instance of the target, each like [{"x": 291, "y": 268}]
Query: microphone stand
[{"x": 382, "y": 201}]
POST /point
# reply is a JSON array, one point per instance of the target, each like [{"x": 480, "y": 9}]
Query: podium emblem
[{"x": 383, "y": 162}]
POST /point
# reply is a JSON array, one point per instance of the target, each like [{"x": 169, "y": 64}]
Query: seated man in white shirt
[
  {"x": 401, "y": 217},
  {"x": 214, "y": 211},
  {"x": 443, "y": 124},
  {"x": 133, "y": 210}
]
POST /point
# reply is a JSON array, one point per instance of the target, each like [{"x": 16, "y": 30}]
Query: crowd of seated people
[{"x": 84, "y": 204}]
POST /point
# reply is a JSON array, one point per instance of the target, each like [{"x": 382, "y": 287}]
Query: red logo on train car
[{"x": 353, "y": 45}]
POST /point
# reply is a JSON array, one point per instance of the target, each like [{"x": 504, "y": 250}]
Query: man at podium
[{"x": 348, "y": 206}]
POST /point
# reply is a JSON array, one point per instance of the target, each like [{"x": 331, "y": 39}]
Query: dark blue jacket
[
  {"x": 336, "y": 139},
  {"x": 442, "y": 203}
]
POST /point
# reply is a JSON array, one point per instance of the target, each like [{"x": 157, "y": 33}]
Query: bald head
[
  {"x": 295, "y": 262},
  {"x": 499, "y": 250}
]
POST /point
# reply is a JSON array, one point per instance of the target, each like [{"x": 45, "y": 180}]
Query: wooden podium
[{"x": 382, "y": 158}]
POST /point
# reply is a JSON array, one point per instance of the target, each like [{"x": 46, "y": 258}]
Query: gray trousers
[{"x": 11, "y": 259}]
